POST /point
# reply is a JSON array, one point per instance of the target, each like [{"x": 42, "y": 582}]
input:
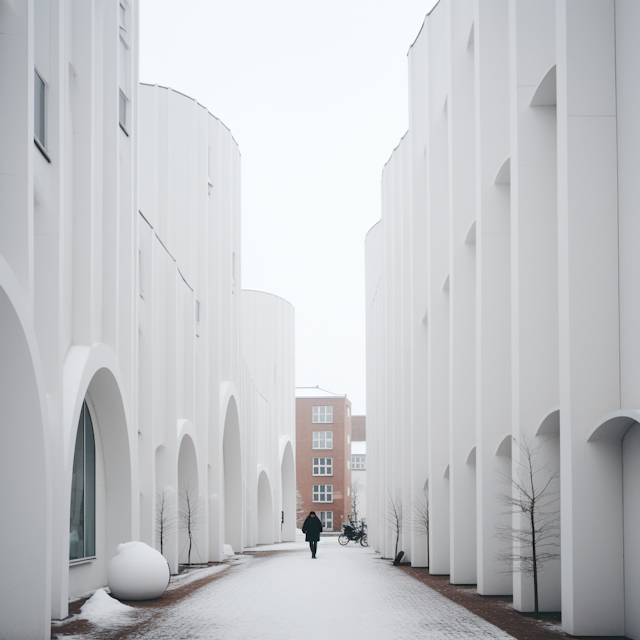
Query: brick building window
[
  {"x": 358, "y": 462},
  {"x": 323, "y": 493},
  {"x": 323, "y": 439},
  {"x": 323, "y": 414},
  {"x": 326, "y": 518},
  {"x": 323, "y": 466}
]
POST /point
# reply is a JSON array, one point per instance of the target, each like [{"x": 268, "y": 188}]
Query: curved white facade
[
  {"x": 121, "y": 310},
  {"x": 502, "y": 297}
]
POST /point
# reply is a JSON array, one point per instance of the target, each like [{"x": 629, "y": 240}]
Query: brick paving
[{"x": 281, "y": 595}]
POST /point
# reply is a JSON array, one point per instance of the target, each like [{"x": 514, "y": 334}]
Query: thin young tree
[
  {"x": 393, "y": 519},
  {"x": 190, "y": 515},
  {"x": 355, "y": 499},
  {"x": 165, "y": 517},
  {"x": 533, "y": 532},
  {"x": 420, "y": 519},
  {"x": 300, "y": 511}
]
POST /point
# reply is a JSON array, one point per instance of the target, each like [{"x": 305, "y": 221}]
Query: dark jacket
[{"x": 312, "y": 527}]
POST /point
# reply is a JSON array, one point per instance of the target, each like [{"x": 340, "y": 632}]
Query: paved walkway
[{"x": 346, "y": 591}]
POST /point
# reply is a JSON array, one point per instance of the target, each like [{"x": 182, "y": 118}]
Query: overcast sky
[{"x": 315, "y": 93}]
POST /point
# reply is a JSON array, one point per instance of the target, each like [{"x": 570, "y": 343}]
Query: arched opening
[
  {"x": 25, "y": 503},
  {"x": 100, "y": 413},
  {"x": 631, "y": 520},
  {"x": 265, "y": 510},
  {"x": 191, "y": 513},
  {"x": 232, "y": 461},
  {"x": 288, "y": 475}
]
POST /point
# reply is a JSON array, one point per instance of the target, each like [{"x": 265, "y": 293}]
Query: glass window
[
  {"x": 323, "y": 493},
  {"x": 82, "y": 530},
  {"x": 39, "y": 108},
  {"x": 323, "y": 414},
  {"x": 358, "y": 462},
  {"x": 323, "y": 439},
  {"x": 326, "y": 518},
  {"x": 323, "y": 466}
]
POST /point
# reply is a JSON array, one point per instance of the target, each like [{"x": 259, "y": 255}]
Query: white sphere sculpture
[{"x": 137, "y": 572}]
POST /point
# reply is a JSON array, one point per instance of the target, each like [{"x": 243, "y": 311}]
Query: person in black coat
[{"x": 312, "y": 527}]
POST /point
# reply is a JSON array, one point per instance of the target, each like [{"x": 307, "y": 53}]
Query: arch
[
  {"x": 504, "y": 172},
  {"x": 288, "y": 480},
  {"x": 550, "y": 424},
  {"x": 25, "y": 472},
  {"x": 471, "y": 456},
  {"x": 93, "y": 374},
  {"x": 232, "y": 463},
  {"x": 504, "y": 448},
  {"x": 614, "y": 425},
  {"x": 190, "y": 508},
  {"x": 545, "y": 94},
  {"x": 265, "y": 508}
]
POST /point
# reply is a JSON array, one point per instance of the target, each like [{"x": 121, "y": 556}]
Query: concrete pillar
[
  {"x": 462, "y": 257},
  {"x": 438, "y": 296},
  {"x": 592, "y": 575},
  {"x": 493, "y": 281},
  {"x": 534, "y": 292}
]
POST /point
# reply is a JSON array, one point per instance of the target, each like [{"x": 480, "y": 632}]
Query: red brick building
[{"x": 323, "y": 454}]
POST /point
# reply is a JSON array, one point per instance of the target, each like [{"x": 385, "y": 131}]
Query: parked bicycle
[{"x": 355, "y": 534}]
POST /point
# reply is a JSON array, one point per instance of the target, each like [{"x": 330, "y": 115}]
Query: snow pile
[
  {"x": 137, "y": 572},
  {"x": 227, "y": 550},
  {"x": 101, "y": 608}
]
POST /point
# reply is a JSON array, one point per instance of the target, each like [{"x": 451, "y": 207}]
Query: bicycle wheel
[
  {"x": 363, "y": 541},
  {"x": 343, "y": 540}
]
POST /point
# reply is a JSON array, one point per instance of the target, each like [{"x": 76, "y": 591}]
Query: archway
[
  {"x": 25, "y": 475},
  {"x": 113, "y": 470},
  {"x": 191, "y": 513},
  {"x": 631, "y": 520},
  {"x": 288, "y": 475},
  {"x": 265, "y": 510},
  {"x": 232, "y": 461}
]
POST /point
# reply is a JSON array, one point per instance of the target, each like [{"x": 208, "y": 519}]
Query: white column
[
  {"x": 592, "y": 576},
  {"x": 462, "y": 258},
  {"x": 493, "y": 281},
  {"x": 438, "y": 297},
  {"x": 534, "y": 293}
]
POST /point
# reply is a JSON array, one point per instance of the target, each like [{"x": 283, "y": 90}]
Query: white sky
[{"x": 315, "y": 93}]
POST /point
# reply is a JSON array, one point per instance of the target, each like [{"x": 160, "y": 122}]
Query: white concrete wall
[
  {"x": 103, "y": 256},
  {"x": 522, "y": 208}
]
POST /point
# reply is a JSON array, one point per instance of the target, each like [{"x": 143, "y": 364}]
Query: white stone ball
[{"x": 137, "y": 572}]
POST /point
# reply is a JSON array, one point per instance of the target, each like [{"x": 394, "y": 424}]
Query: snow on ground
[
  {"x": 197, "y": 573},
  {"x": 282, "y": 596},
  {"x": 103, "y": 610}
]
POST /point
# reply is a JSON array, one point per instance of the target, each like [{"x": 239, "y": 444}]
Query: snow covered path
[{"x": 346, "y": 590}]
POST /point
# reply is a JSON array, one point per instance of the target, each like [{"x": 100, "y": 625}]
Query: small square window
[
  {"x": 323, "y": 440},
  {"x": 358, "y": 462},
  {"x": 323, "y": 466},
  {"x": 323, "y": 493}
]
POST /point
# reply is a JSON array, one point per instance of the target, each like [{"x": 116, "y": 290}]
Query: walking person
[{"x": 312, "y": 527}]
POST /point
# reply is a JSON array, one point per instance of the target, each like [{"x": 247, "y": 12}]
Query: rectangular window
[
  {"x": 358, "y": 462},
  {"x": 39, "y": 109},
  {"x": 323, "y": 414},
  {"x": 323, "y": 466},
  {"x": 326, "y": 518},
  {"x": 323, "y": 493},
  {"x": 198, "y": 311},
  {"x": 323, "y": 439}
]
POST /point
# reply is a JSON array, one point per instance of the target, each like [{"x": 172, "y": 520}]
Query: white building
[
  {"x": 502, "y": 297},
  {"x": 131, "y": 360}
]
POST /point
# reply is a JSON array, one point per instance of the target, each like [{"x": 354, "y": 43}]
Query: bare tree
[
  {"x": 165, "y": 518},
  {"x": 354, "y": 498},
  {"x": 393, "y": 519},
  {"x": 190, "y": 515},
  {"x": 300, "y": 511},
  {"x": 420, "y": 519},
  {"x": 533, "y": 532}
]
